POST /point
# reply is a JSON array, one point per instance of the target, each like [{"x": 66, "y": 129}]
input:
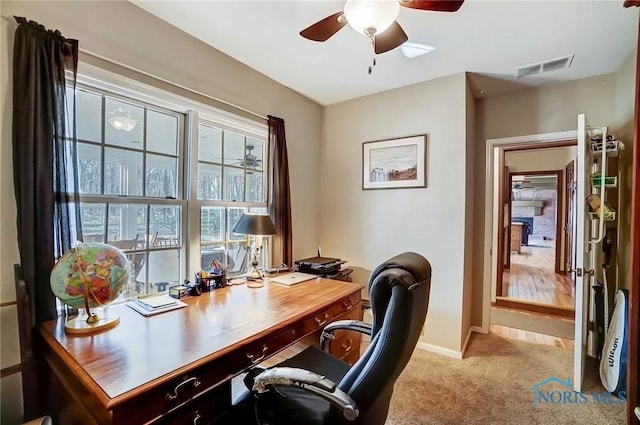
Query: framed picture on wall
[{"x": 395, "y": 163}]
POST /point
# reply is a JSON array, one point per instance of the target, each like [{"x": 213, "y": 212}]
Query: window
[
  {"x": 140, "y": 193},
  {"x": 230, "y": 173}
]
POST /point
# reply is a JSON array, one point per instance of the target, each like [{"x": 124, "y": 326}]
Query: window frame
[
  {"x": 190, "y": 114},
  {"x": 251, "y": 129}
]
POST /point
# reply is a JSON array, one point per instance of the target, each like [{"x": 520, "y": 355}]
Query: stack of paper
[{"x": 149, "y": 306}]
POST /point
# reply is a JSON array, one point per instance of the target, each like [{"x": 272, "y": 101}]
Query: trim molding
[
  {"x": 439, "y": 350},
  {"x": 490, "y": 206},
  {"x": 480, "y": 329},
  {"x": 532, "y": 138},
  {"x": 536, "y": 307}
]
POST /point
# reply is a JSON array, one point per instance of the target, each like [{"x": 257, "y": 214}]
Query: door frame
[
  {"x": 492, "y": 156},
  {"x": 507, "y": 181},
  {"x": 533, "y": 306}
]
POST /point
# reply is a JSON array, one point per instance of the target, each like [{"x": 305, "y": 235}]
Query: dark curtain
[
  {"x": 44, "y": 140},
  {"x": 280, "y": 196}
]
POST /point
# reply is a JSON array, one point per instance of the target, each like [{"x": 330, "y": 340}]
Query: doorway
[
  {"x": 533, "y": 272},
  {"x": 532, "y": 237}
]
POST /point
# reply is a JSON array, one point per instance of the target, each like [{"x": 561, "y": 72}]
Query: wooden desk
[{"x": 175, "y": 368}]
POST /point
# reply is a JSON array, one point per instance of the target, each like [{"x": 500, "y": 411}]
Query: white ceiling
[{"x": 487, "y": 38}]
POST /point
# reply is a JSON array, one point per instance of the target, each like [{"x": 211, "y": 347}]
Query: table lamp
[{"x": 254, "y": 225}]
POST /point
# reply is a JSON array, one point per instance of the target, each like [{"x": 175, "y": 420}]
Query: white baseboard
[
  {"x": 479, "y": 329},
  {"x": 440, "y": 350}
]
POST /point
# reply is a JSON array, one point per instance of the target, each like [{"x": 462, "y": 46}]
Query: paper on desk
[{"x": 157, "y": 301}]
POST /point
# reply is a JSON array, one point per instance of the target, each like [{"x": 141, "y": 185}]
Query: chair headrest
[{"x": 411, "y": 262}]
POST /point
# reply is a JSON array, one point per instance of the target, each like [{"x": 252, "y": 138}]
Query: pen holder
[{"x": 210, "y": 281}]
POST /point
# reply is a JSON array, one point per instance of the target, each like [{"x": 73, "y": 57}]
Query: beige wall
[
  {"x": 547, "y": 159},
  {"x": 123, "y": 32},
  {"x": 547, "y": 109},
  {"x": 366, "y": 227},
  {"x": 469, "y": 213}
]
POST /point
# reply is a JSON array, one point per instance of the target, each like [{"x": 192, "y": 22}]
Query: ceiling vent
[{"x": 538, "y": 68}]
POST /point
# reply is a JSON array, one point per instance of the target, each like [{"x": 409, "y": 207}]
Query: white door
[{"x": 582, "y": 264}]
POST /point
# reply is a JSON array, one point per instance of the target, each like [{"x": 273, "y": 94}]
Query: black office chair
[{"x": 314, "y": 388}]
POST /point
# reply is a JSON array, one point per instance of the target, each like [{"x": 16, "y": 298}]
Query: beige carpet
[{"x": 493, "y": 384}]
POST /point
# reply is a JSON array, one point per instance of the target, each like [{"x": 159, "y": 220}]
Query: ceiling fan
[
  {"x": 376, "y": 19},
  {"x": 250, "y": 160}
]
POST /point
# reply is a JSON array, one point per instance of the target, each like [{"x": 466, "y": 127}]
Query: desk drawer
[
  {"x": 158, "y": 401},
  {"x": 343, "y": 346},
  {"x": 260, "y": 350},
  {"x": 353, "y": 314},
  {"x": 352, "y": 302},
  {"x": 346, "y": 342},
  {"x": 351, "y": 357},
  {"x": 201, "y": 411}
]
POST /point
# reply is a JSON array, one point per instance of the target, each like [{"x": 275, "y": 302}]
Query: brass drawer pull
[
  {"x": 259, "y": 359},
  {"x": 320, "y": 321},
  {"x": 196, "y": 418},
  {"x": 196, "y": 383},
  {"x": 347, "y": 304},
  {"x": 346, "y": 346}
]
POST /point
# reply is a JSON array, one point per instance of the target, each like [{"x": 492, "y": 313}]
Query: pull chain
[{"x": 372, "y": 40}]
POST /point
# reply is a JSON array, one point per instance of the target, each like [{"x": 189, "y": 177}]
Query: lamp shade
[
  {"x": 255, "y": 224},
  {"x": 368, "y": 16}
]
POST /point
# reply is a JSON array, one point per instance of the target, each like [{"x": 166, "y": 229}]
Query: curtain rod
[{"x": 164, "y": 80}]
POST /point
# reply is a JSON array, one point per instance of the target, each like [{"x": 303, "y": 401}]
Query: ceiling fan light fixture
[
  {"x": 413, "y": 50},
  {"x": 371, "y": 17},
  {"x": 121, "y": 119}
]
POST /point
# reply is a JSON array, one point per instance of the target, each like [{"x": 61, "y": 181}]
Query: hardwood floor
[
  {"x": 534, "y": 337},
  {"x": 531, "y": 277}
]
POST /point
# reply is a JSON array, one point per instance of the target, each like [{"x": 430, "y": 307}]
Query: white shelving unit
[{"x": 603, "y": 146}]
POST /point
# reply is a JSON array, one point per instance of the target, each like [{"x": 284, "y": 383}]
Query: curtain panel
[
  {"x": 280, "y": 201},
  {"x": 44, "y": 141}
]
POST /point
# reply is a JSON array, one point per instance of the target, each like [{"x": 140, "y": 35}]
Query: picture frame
[{"x": 395, "y": 163}]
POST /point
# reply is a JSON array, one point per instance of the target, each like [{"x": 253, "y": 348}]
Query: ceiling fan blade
[
  {"x": 434, "y": 5},
  {"x": 325, "y": 28},
  {"x": 390, "y": 38}
]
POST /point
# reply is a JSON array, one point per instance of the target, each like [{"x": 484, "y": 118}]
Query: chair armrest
[
  {"x": 351, "y": 325},
  {"x": 309, "y": 381}
]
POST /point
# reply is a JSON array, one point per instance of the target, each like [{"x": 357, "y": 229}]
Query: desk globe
[{"x": 88, "y": 276}]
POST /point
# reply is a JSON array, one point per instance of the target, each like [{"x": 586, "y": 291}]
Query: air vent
[
  {"x": 538, "y": 68},
  {"x": 528, "y": 70}
]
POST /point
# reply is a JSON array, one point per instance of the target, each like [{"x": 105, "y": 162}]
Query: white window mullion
[{"x": 194, "y": 206}]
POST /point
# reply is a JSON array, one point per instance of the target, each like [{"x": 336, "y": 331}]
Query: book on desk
[{"x": 148, "y": 306}]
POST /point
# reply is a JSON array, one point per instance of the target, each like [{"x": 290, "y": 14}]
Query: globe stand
[
  {"x": 80, "y": 325},
  {"x": 93, "y": 323}
]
